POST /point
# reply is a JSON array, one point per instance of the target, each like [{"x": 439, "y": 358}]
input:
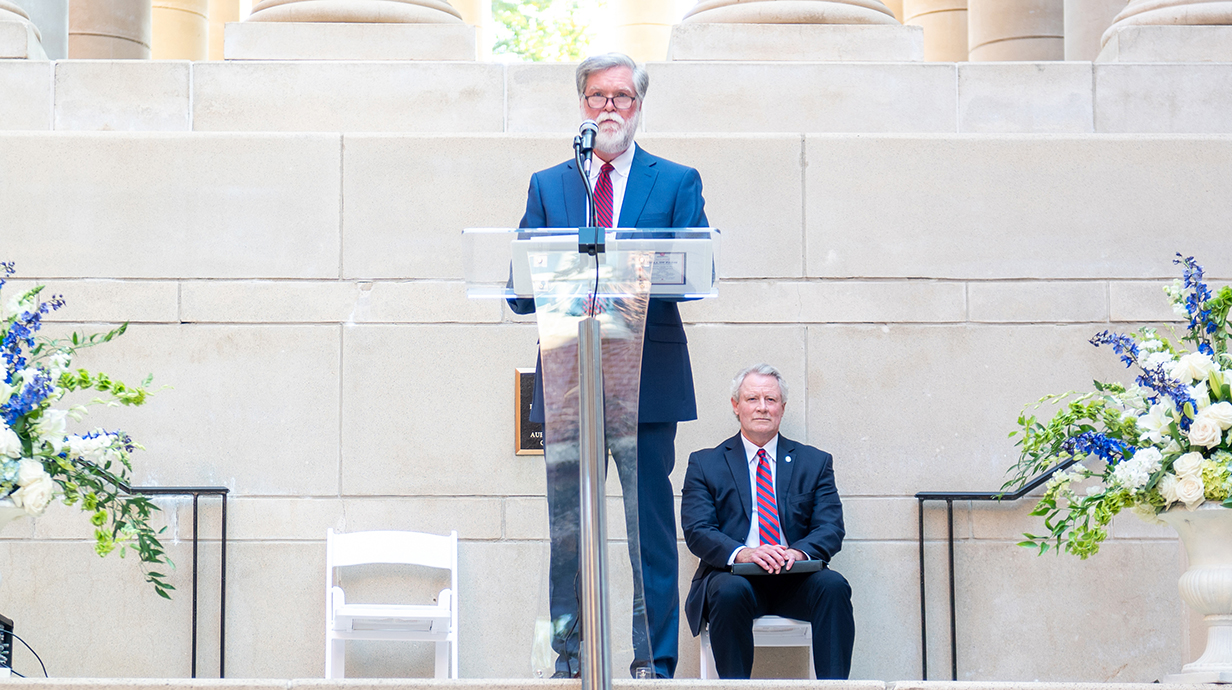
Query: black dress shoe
[{"x": 566, "y": 674}]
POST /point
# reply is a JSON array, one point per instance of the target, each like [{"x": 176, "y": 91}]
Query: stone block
[
  {"x": 801, "y": 97},
  {"x": 423, "y": 301},
  {"x": 253, "y": 408},
  {"x": 276, "y": 581},
  {"x": 541, "y": 97},
  {"x": 1140, "y": 301},
  {"x": 949, "y": 433},
  {"x": 797, "y": 42},
  {"x": 107, "y": 301},
  {"x": 27, "y": 86},
  {"x": 881, "y": 518},
  {"x": 1028, "y": 97},
  {"x": 175, "y": 205},
  {"x": 1138, "y": 620},
  {"x": 122, "y": 95},
  {"x": 18, "y": 41},
  {"x": 718, "y": 351},
  {"x": 526, "y": 517},
  {"x": 1038, "y": 301},
  {"x": 833, "y": 302},
  {"x": 275, "y": 518},
  {"x": 878, "y": 207},
  {"x": 397, "y": 425},
  {"x": 313, "y": 96},
  {"x": 1168, "y": 43},
  {"x": 473, "y": 518},
  {"x": 759, "y": 215},
  {"x": 408, "y": 198},
  {"x": 276, "y": 40},
  {"x": 1163, "y": 98},
  {"x": 44, "y": 579}
]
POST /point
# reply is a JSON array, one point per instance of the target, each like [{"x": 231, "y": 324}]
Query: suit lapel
[
  {"x": 575, "y": 196},
  {"x": 637, "y": 190},
  {"x": 782, "y": 480},
  {"x": 739, "y": 465}
]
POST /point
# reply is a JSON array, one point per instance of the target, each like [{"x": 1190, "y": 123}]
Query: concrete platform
[
  {"x": 1168, "y": 44},
  {"x": 528, "y": 684}
]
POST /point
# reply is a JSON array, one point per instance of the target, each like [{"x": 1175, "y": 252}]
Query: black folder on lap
[{"x": 809, "y": 566}]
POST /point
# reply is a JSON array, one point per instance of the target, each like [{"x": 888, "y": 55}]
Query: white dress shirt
[
  {"x": 753, "y": 540},
  {"x": 622, "y": 164}
]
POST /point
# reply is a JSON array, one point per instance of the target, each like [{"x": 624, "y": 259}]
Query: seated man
[{"x": 761, "y": 498}]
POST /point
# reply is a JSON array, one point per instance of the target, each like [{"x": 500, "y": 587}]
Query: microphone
[{"x": 588, "y": 131}]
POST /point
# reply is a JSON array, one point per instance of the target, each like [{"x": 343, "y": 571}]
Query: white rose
[
  {"x": 1189, "y": 490},
  {"x": 35, "y": 496},
  {"x": 1167, "y": 488},
  {"x": 1188, "y": 465},
  {"x": 10, "y": 443},
  {"x": 30, "y": 471},
  {"x": 1157, "y": 359},
  {"x": 1205, "y": 432},
  {"x": 1194, "y": 366},
  {"x": 1220, "y": 413}
]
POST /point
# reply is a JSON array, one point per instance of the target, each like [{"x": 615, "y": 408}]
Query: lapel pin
[{"x": 788, "y": 458}]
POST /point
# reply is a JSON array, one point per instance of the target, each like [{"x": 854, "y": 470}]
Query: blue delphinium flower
[
  {"x": 1197, "y": 294},
  {"x": 1122, "y": 344},
  {"x": 1110, "y": 450},
  {"x": 1157, "y": 380},
  {"x": 31, "y": 395}
]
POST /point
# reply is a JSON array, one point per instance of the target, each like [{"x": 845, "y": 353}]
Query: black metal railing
[
  {"x": 949, "y": 497},
  {"x": 197, "y": 492}
]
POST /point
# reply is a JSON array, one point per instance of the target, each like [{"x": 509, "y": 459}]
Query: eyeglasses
[{"x": 599, "y": 101}]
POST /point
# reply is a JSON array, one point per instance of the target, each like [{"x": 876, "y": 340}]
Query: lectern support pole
[{"x": 596, "y": 631}]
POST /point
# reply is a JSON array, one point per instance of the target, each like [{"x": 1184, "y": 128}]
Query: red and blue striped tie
[
  {"x": 603, "y": 197},
  {"x": 768, "y": 530}
]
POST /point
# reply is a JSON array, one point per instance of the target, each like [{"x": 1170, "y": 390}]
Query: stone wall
[{"x": 289, "y": 258}]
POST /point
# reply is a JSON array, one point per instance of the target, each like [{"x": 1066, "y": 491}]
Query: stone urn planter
[{"x": 1207, "y": 587}]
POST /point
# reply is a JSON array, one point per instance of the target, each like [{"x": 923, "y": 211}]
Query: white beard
[{"x": 619, "y": 141}]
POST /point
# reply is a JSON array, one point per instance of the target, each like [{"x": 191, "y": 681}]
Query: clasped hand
[{"x": 771, "y": 557}]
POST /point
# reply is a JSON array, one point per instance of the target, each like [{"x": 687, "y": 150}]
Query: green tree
[{"x": 541, "y": 30}]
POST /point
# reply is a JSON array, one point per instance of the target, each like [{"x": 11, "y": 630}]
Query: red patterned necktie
[
  {"x": 603, "y": 197},
  {"x": 767, "y": 513}
]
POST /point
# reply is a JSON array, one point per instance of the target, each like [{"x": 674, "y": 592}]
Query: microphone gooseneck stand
[{"x": 592, "y": 450}]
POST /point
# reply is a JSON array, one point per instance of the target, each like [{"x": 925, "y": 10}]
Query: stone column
[
  {"x": 797, "y": 30},
  {"x": 222, "y": 12},
  {"x": 895, "y": 6},
  {"x": 51, "y": 19},
  {"x": 1085, "y": 24},
  {"x": 181, "y": 30},
  {"x": 1171, "y": 31},
  {"x": 351, "y": 30},
  {"x": 945, "y": 27},
  {"x": 19, "y": 37},
  {"x": 478, "y": 13},
  {"x": 642, "y": 29},
  {"x": 109, "y": 29},
  {"x": 1015, "y": 30}
]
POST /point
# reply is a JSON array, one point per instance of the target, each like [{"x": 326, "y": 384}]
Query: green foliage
[{"x": 540, "y": 30}]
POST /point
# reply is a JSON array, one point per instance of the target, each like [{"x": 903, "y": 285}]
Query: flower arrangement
[
  {"x": 39, "y": 458},
  {"x": 1157, "y": 443}
]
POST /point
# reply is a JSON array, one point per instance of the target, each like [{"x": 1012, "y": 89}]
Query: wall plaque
[{"x": 528, "y": 435}]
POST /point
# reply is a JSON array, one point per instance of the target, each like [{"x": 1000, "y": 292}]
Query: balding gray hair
[
  {"x": 764, "y": 370},
  {"x": 598, "y": 63}
]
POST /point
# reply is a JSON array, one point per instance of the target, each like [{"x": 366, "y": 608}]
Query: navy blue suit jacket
[
  {"x": 716, "y": 508},
  {"x": 658, "y": 194}
]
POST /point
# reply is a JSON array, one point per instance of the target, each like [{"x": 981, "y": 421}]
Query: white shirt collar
[
  {"x": 750, "y": 450},
  {"x": 622, "y": 163}
]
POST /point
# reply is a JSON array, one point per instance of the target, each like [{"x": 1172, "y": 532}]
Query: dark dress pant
[
  {"x": 656, "y": 518},
  {"x": 822, "y": 598}
]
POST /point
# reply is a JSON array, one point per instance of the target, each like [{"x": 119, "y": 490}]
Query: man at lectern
[
  {"x": 632, "y": 189},
  {"x": 761, "y": 499}
]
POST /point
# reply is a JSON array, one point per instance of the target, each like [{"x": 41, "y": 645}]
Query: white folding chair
[
  {"x": 431, "y": 623},
  {"x": 768, "y": 631}
]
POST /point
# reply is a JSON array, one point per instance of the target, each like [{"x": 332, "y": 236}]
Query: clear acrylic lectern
[{"x": 591, "y": 310}]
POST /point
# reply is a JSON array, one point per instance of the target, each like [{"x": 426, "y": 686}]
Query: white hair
[{"x": 764, "y": 370}]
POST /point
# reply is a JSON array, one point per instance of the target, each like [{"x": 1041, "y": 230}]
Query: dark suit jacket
[
  {"x": 716, "y": 508},
  {"x": 659, "y": 194}
]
